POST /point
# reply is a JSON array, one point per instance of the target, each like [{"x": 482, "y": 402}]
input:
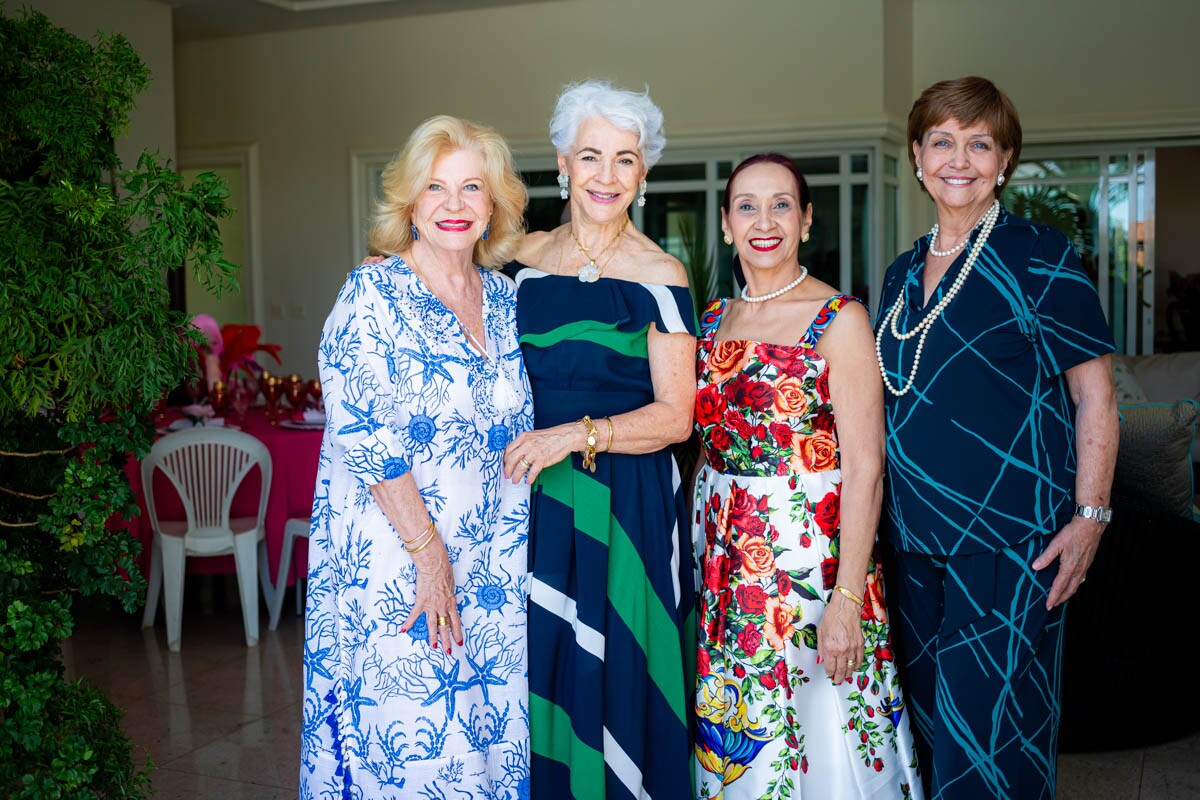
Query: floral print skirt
[{"x": 770, "y": 723}]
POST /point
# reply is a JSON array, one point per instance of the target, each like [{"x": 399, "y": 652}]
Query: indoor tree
[{"x": 88, "y": 346}]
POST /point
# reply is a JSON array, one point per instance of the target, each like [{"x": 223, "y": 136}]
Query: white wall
[
  {"x": 147, "y": 26},
  {"x": 308, "y": 97},
  {"x": 766, "y": 70}
]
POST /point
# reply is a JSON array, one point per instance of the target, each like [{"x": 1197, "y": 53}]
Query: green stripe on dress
[
  {"x": 634, "y": 599},
  {"x": 627, "y": 343},
  {"x": 554, "y": 738}
]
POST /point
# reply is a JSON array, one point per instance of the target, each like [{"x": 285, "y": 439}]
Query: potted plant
[{"x": 89, "y": 346}]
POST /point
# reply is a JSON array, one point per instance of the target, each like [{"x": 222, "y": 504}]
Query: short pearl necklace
[
  {"x": 890, "y": 318},
  {"x": 762, "y": 298},
  {"x": 933, "y": 237}
]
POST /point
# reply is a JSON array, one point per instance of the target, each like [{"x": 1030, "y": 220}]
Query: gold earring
[
  {"x": 728, "y": 240},
  {"x": 804, "y": 238}
]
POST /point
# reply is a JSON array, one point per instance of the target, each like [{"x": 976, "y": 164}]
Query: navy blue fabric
[
  {"x": 981, "y": 453},
  {"x": 983, "y": 671}
]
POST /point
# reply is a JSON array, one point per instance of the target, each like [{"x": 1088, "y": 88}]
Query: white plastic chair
[
  {"x": 291, "y": 530},
  {"x": 206, "y": 466}
]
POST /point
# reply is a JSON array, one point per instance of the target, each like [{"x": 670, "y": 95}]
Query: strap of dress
[
  {"x": 825, "y": 316},
  {"x": 710, "y": 320}
]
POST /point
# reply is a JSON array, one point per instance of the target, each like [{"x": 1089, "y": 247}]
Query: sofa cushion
[
  {"x": 1128, "y": 388},
  {"x": 1167, "y": 377},
  {"x": 1155, "y": 453}
]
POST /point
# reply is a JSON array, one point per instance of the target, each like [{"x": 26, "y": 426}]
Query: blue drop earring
[
  {"x": 416, "y": 233},
  {"x": 486, "y": 231}
]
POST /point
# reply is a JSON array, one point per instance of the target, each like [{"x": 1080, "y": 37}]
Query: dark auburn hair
[
  {"x": 968, "y": 101},
  {"x": 805, "y": 197}
]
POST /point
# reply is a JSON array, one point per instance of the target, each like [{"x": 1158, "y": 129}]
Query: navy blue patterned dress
[
  {"x": 981, "y": 470},
  {"x": 611, "y": 589}
]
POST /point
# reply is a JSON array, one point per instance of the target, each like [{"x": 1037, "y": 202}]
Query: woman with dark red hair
[{"x": 796, "y": 684}]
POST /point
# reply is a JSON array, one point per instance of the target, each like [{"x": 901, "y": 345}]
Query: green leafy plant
[
  {"x": 699, "y": 261},
  {"x": 89, "y": 346}
]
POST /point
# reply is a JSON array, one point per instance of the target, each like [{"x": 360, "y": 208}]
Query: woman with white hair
[{"x": 607, "y": 331}]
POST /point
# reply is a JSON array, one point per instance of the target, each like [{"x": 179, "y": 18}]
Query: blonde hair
[{"x": 407, "y": 175}]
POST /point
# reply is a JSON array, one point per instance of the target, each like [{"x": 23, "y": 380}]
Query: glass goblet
[
  {"x": 218, "y": 397},
  {"x": 296, "y": 390},
  {"x": 272, "y": 392},
  {"x": 314, "y": 391},
  {"x": 241, "y": 395}
]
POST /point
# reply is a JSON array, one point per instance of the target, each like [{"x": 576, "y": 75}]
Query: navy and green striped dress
[{"x": 611, "y": 597}]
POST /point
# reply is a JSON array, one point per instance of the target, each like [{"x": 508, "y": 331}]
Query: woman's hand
[
  {"x": 533, "y": 451},
  {"x": 435, "y": 599},
  {"x": 840, "y": 638}
]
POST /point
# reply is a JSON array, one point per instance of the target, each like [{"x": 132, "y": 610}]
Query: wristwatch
[{"x": 1101, "y": 514}]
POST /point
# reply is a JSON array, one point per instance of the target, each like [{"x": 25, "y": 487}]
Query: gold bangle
[
  {"x": 589, "y": 452},
  {"x": 842, "y": 590},
  {"x": 424, "y": 531},
  {"x": 610, "y": 434},
  {"x": 422, "y": 545}
]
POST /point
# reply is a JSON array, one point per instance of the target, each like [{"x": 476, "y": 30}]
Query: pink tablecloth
[{"x": 294, "y": 455}]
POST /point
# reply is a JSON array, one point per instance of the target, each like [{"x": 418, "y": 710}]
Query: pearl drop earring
[
  {"x": 920, "y": 175},
  {"x": 1000, "y": 180}
]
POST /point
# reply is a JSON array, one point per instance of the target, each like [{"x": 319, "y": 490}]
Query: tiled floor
[{"x": 222, "y": 721}]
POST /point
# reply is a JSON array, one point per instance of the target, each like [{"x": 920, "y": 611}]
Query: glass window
[
  {"x": 825, "y": 165},
  {"x": 677, "y": 172},
  {"x": 544, "y": 213},
  {"x": 822, "y": 252},
  {"x": 1058, "y": 168},
  {"x": 540, "y": 177},
  {"x": 859, "y": 164}
]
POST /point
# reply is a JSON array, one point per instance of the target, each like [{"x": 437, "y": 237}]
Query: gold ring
[
  {"x": 526, "y": 461},
  {"x": 849, "y": 663},
  {"x": 443, "y": 621}
]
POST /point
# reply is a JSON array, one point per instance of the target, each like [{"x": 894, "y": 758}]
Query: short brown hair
[
  {"x": 968, "y": 101},
  {"x": 407, "y": 175}
]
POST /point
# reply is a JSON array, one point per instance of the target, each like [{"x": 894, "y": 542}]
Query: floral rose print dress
[{"x": 770, "y": 724}]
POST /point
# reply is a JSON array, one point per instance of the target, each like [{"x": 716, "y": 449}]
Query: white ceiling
[{"x": 207, "y": 19}]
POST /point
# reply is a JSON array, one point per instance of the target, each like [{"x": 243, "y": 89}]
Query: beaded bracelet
[
  {"x": 589, "y": 453},
  {"x": 414, "y": 550},
  {"x": 842, "y": 590}
]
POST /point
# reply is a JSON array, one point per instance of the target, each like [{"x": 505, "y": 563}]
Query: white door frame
[{"x": 244, "y": 157}]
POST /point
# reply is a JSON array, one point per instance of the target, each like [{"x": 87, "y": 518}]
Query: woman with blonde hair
[{"x": 415, "y": 665}]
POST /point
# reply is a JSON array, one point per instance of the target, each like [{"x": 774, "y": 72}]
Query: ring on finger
[
  {"x": 443, "y": 620},
  {"x": 528, "y": 464},
  {"x": 849, "y": 663}
]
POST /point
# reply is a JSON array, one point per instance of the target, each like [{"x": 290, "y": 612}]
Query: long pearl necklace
[
  {"x": 890, "y": 319},
  {"x": 933, "y": 237},
  {"x": 762, "y": 298}
]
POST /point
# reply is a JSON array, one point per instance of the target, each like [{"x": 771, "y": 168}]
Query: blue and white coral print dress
[{"x": 385, "y": 715}]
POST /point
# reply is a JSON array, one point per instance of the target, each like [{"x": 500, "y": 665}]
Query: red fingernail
[
  {"x": 460, "y": 643},
  {"x": 435, "y": 645},
  {"x": 449, "y": 651}
]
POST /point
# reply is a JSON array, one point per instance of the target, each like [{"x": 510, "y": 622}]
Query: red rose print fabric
[{"x": 770, "y": 724}]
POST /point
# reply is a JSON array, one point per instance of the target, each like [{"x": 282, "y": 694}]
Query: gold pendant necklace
[{"x": 591, "y": 272}]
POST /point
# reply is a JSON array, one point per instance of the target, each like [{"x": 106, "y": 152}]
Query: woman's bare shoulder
[{"x": 536, "y": 248}]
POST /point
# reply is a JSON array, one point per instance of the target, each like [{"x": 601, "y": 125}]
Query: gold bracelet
[
  {"x": 610, "y": 434},
  {"x": 422, "y": 545},
  {"x": 589, "y": 452},
  {"x": 858, "y": 601},
  {"x": 424, "y": 531}
]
